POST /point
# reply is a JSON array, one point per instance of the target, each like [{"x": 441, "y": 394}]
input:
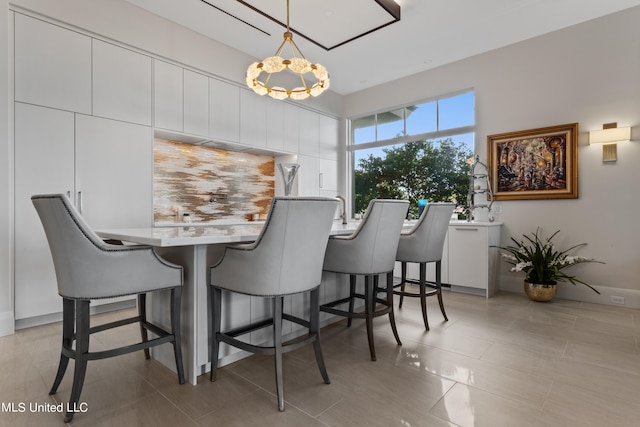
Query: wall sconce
[{"x": 609, "y": 136}]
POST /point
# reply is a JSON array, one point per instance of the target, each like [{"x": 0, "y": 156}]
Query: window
[{"x": 413, "y": 152}]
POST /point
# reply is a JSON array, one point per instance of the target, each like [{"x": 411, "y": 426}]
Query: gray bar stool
[
  {"x": 369, "y": 252},
  {"x": 87, "y": 268},
  {"x": 285, "y": 259},
  {"x": 423, "y": 244}
]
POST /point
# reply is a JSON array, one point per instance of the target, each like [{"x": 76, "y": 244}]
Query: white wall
[{"x": 590, "y": 74}]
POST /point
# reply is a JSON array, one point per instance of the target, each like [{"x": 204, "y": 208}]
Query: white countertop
[
  {"x": 195, "y": 234},
  {"x": 192, "y": 234}
]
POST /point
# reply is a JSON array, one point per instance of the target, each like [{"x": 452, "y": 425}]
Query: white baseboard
[
  {"x": 582, "y": 293},
  {"x": 7, "y": 324}
]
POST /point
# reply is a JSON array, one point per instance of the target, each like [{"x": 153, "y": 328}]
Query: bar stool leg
[
  {"x": 68, "y": 316},
  {"x": 392, "y": 317},
  {"x": 216, "y": 316},
  {"x": 369, "y": 306},
  {"x": 142, "y": 312},
  {"x": 403, "y": 279},
  {"x": 176, "y": 300},
  {"x": 277, "y": 345},
  {"x": 352, "y": 293},
  {"x": 423, "y": 293},
  {"x": 82, "y": 348},
  {"x": 439, "y": 285},
  {"x": 314, "y": 329}
]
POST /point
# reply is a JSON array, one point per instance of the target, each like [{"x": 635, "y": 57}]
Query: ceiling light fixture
[{"x": 298, "y": 65}]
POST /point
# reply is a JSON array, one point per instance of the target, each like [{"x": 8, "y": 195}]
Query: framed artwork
[{"x": 534, "y": 164}]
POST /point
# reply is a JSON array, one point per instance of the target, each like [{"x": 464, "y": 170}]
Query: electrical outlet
[
  {"x": 497, "y": 208},
  {"x": 617, "y": 300}
]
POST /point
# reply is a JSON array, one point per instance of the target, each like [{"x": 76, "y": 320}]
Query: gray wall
[{"x": 590, "y": 74}]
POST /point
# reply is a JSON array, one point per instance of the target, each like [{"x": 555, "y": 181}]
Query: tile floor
[{"x": 504, "y": 361}]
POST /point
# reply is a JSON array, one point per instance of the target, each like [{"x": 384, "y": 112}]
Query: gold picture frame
[{"x": 534, "y": 164}]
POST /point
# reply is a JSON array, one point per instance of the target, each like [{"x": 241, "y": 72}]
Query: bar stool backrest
[
  {"x": 373, "y": 246},
  {"x": 88, "y": 268},
  {"x": 425, "y": 241}
]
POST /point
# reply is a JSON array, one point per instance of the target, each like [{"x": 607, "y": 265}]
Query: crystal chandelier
[{"x": 297, "y": 65}]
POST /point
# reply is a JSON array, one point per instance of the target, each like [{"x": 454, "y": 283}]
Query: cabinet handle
[
  {"x": 466, "y": 229},
  {"x": 321, "y": 180},
  {"x": 80, "y": 201}
]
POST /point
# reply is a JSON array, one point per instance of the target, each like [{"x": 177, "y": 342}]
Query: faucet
[{"x": 343, "y": 215}]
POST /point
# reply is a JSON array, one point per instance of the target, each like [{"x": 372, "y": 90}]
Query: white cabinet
[
  {"x": 253, "y": 119},
  {"x": 309, "y": 143},
  {"x": 52, "y": 65},
  {"x": 121, "y": 84},
  {"x": 308, "y": 176},
  {"x": 104, "y": 165},
  {"x": 168, "y": 96},
  {"x": 275, "y": 124},
  {"x": 196, "y": 103},
  {"x": 181, "y": 99},
  {"x": 224, "y": 111},
  {"x": 328, "y": 180},
  {"x": 291, "y": 130},
  {"x": 329, "y": 137},
  {"x": 114, "y": 172},
  {"x": 472, "y": 260},
  {"x": 44, "y": 163}
]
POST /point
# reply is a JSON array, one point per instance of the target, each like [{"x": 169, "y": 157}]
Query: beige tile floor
[{"x": 504, "y": 361}]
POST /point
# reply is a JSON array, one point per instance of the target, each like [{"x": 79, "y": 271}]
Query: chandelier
[{"x": 298, "y": 65}]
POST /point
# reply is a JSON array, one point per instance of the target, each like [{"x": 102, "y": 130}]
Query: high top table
[{"x": 196, "y": 247}]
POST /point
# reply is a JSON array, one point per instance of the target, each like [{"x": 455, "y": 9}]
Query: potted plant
[{"x": 543, "y": 264}]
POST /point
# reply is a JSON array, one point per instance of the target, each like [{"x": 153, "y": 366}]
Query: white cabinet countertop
[{"x": 208, "y": 234}]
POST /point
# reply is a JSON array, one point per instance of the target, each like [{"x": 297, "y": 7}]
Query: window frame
[{"x": 351, "y": 148}]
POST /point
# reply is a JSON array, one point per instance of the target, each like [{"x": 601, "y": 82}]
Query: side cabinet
[
  {"x": 105, "y": 166},
  {"x": 472, "y": 259}
]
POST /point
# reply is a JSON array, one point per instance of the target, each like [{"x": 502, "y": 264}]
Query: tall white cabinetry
[
  {"x": 82, "y": 128},
  {"x": 105, "y": 166},
  {"x": 318, "y": 155}
]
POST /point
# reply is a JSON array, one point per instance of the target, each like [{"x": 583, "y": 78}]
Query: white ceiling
[{"x": 430, "y": 33}]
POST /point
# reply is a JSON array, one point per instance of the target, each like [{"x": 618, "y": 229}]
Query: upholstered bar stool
[
  {"x": 369, "y": 252},
  {"x": 285, "y": 259},
  {"x": 88, "y": 268},
  {"x": 423, "y": 244}
]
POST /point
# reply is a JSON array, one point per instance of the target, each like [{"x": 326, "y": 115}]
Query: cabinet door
[
  {"x": 275, "y": 124},
  {"x": 468, "y": 256},
  {"x": 168, "y": 96},
  {"x": 253, "y": 119},
  {"x": 329, "y": 137},
  {"x": 114, "y": 172},
  {"x": 291, "y": 128},
  {"x": 52, "y": 66},
  {"x": 309, "y": 133},
  {"x": 224, "y": 111},
  {"x": 121, "y": 84},
  {"x": 308, "y": 176},
  {"x": 196, "y": 103},
  {"x": 328, "y": 175},
  {"x": 44, "y": 156}
]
